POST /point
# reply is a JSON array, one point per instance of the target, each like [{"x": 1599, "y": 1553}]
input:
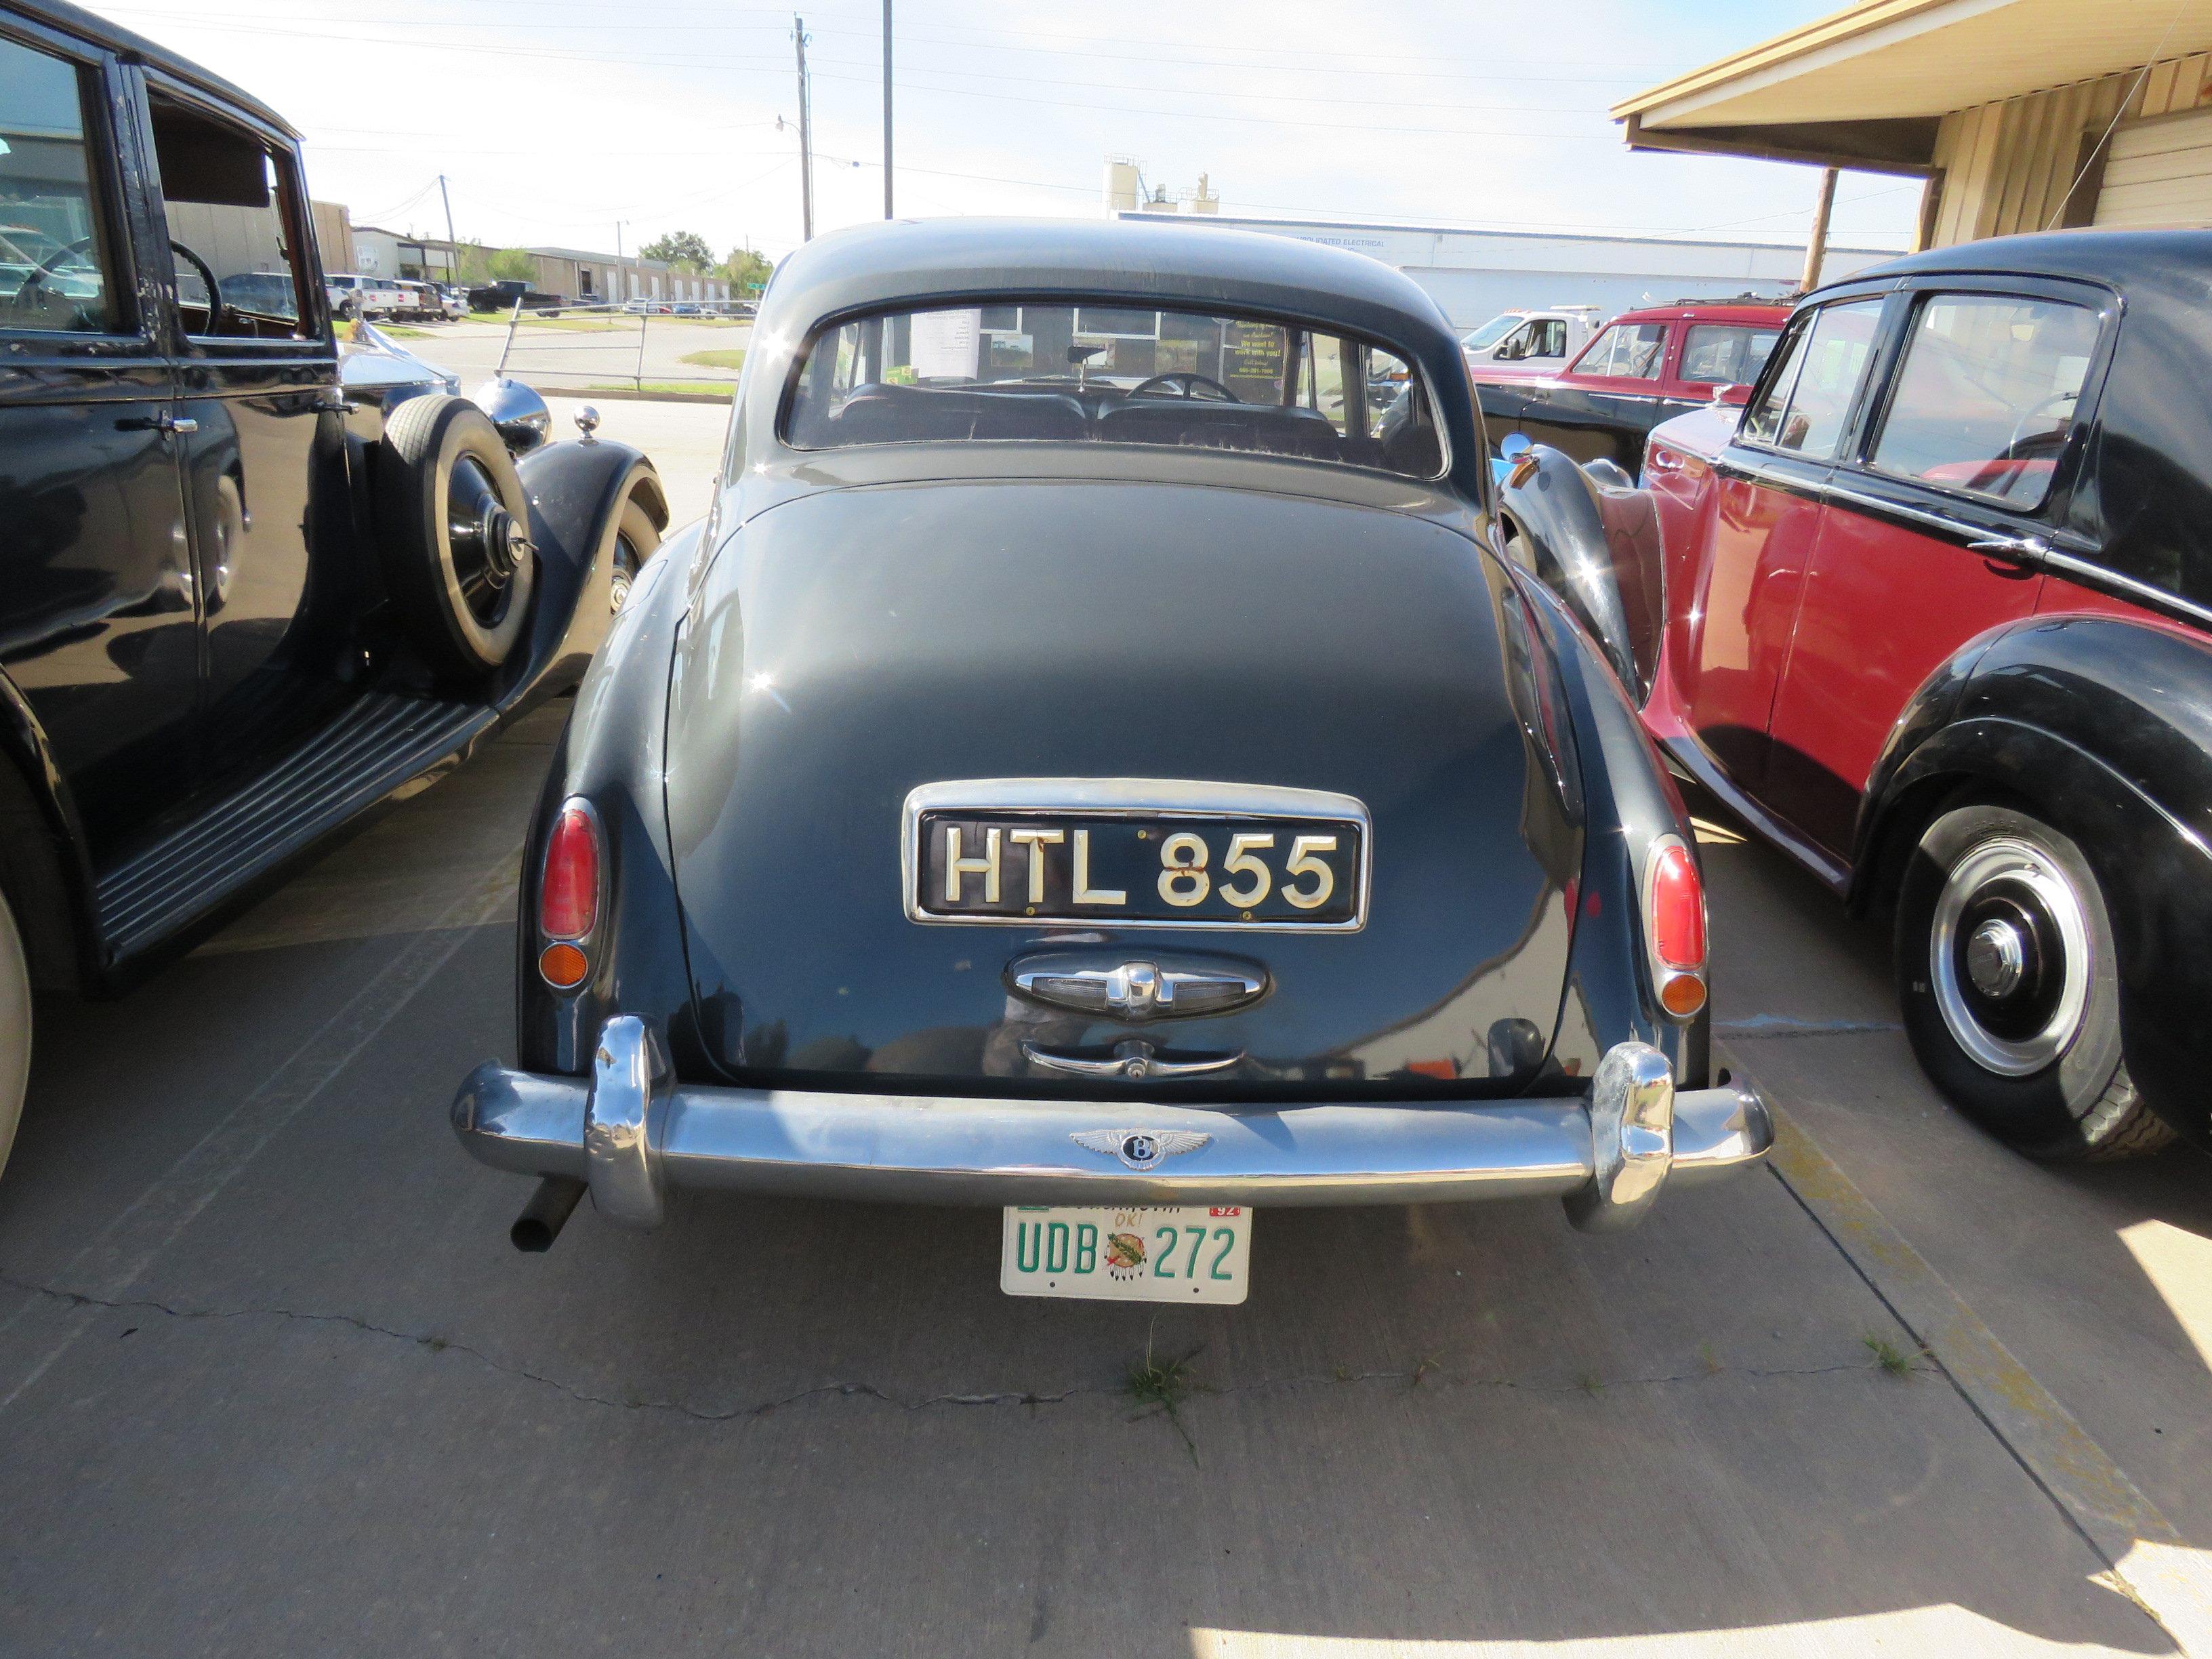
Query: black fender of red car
[
  {"x": 2102, "y": 728},
  {"x": 1592, "y": 537}
]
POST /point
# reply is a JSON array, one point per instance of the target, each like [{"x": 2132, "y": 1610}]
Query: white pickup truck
[
  {"x": 352, "y": 295},
  {"x": 1529, "y": 342}
]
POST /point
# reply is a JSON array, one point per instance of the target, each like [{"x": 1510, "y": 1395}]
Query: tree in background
[
  {"x": 480, "y": 264},
  {"x": 748, "y": 271},
  {"x": 686, "y": 250}
]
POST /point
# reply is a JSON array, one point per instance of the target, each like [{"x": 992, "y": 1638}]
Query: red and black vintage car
[{"x": 1931, "y": 613}]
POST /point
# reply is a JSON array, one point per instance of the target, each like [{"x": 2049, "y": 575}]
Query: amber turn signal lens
[
  {"x": 563, "y": 966},
  {"x": 1682, "y": 995}
]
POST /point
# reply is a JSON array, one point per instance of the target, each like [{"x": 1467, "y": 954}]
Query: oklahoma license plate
[{"x": 1140, "y": 1253}]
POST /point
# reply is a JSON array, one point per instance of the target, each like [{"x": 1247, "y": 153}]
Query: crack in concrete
[{"x": 1426, "y": 1375}]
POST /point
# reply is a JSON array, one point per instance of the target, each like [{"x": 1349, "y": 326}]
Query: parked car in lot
[
  {"x": 1643, "y": 367},
  {"x": 246, "y": 590},
  {"x": 352, "y": 294},
  {"x": 1931, "y": 613},
  {"x": 1072, "y": 769},
  {"x": 1525, "y": 344}
]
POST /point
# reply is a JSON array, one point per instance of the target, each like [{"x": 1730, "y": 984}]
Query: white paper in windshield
[{"x": 945, "y": 344}]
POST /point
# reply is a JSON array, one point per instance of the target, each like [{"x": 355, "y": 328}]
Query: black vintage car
[
  {"x": 1092, "y": 757},
  {"x": 246, "y": 590}
]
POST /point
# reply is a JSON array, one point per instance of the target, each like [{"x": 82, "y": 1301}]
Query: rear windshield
[{"x": 1120, "y": 373}]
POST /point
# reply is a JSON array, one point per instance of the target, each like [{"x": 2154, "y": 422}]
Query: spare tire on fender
[{"x": 454, "y": 524}]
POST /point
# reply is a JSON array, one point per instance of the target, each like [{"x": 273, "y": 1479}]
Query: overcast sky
[{"x": 552, "y": 121}]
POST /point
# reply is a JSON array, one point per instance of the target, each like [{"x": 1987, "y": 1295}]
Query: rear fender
[
  {"x": 611, "y": 753},
  {"x": 1591, "y": 537},
  {"x": 1629, "y": 802},
  {"x": 576, "y": 493},
  {"x": 2102, "y": 728}
]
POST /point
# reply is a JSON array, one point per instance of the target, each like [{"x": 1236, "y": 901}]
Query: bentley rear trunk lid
[{"x": 1094, "y": 782}]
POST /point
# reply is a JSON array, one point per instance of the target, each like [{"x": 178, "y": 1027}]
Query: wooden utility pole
[
  {"x": 1816, "y": 245},
  {"x": 805, "y": 135},
  {"x": 452, "y": 246},
  {"x": 887, "y": 108}
]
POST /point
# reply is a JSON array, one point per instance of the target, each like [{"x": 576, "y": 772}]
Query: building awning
[{"x": 1866, "y": 87}]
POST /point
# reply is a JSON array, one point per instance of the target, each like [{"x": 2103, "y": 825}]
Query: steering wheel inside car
[
  {"x": 48, "y": 265},
  {"x": 2023, "y": 439},
  {"x": 215, "y": 307},
  {"x": 1185, "y": 383}
]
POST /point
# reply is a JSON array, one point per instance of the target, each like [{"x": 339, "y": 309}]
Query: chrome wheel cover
[
  {"x": 626, "y": 563},
  {"x": 2024, "y": 880}
]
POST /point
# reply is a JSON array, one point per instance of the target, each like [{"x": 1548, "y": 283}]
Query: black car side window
[
  {"x": 1985, "y": 396},
  {"x": 1836, "y": 348},
  {"x": 1764, "y": 418},
  {"x": 56, "y": 272},
  {"x": 229, "y": 205}
]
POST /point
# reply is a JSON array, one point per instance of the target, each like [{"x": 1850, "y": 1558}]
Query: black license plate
[{"x": 1140, "y": 870}]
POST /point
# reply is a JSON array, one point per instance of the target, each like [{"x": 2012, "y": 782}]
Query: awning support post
[{"x": 1816, "y": 245}]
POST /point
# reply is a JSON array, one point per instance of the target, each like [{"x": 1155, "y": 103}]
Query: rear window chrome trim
[{"x": 1163, "y": 797}]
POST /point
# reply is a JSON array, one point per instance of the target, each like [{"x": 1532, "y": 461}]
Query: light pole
[
  {"x": 805, "y": 135},
  {"x": 887, "y": 108}
]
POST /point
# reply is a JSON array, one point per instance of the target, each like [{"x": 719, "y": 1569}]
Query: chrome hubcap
[
  {"x": 2009, "y": 958},
  {"x": 1997, "y": 958}
]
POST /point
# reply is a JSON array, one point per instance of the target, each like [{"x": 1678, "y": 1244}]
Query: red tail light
[
  {"x": 1674, "y": 927},
  {"x": 569, "y": 892}
]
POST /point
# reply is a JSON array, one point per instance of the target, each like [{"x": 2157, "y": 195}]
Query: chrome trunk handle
[{"x": 1131, "y": 1058}]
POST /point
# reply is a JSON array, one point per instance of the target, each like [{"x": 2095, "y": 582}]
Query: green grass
[
  {"x": 1163, "y": 1387},
  {"x": 1892, "y": 1360},
  {"x": 707, "y": 388},
  {"x": 733, "y": 358}
]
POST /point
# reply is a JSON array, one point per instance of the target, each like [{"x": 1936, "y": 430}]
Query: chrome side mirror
[
  {"x": 518, "y": 412},
  {"x": 1514, "y": 446}
]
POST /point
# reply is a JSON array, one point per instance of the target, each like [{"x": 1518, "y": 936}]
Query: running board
[{"x": 369, "y": 749}]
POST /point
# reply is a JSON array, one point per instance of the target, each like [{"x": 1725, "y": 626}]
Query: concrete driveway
[{"x": 273, "y": 1382}]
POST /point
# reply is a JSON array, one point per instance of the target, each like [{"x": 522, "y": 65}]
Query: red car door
[
  {"x": 1743, "y": 609},
  {"x": 1931, "y": 535}
]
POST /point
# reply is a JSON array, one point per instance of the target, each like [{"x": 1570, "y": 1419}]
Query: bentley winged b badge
[{"x": 1140, "y": 1149}]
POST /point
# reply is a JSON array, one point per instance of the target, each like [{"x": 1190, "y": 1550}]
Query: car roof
[
  {"x": 916, "y": 261},
  {"x": 137, "y": 48},
  {"x": 2113, "y": 258}
]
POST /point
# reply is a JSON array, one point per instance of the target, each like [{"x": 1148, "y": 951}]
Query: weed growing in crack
[
  {"x": 1710, "y": 1360},
  {"x": 1421, "y": 1368},
  {"x": 1163, "y": 1386},
  {"x": 1891, "y": 1360},
  {"x": 1592, "y": 1384}
]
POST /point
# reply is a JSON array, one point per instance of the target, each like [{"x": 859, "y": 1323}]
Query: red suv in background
[{"x": 1645, "y": 367}]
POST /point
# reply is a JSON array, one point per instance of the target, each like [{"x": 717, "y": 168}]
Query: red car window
[
  {"x": 1725, "y": 353},
  {"x": 1985, "y": 398},
  {"x": 1833, "y": 360},
  {"x": 1626, "y": 351}
]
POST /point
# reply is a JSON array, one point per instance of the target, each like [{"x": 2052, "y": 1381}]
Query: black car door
[
  {"x": 99, "y": 618},
  {"x": 257, "y": 373}
]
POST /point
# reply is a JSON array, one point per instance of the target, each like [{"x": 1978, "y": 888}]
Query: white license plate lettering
[{"x": 1132, "y": 1252}]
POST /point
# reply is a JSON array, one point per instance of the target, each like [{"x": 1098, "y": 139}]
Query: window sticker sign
[{"x": 946, "y": 344}]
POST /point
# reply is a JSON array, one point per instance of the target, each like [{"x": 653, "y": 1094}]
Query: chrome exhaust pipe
[{"x": 547, "y": 1212}]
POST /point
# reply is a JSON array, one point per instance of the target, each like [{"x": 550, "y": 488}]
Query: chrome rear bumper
[{"x": 631, "y": 1132}]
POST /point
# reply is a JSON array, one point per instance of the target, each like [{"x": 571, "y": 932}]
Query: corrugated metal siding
[
  {"x": 2160, "y": 174},
  {"x": 2009, "y": 167}
]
